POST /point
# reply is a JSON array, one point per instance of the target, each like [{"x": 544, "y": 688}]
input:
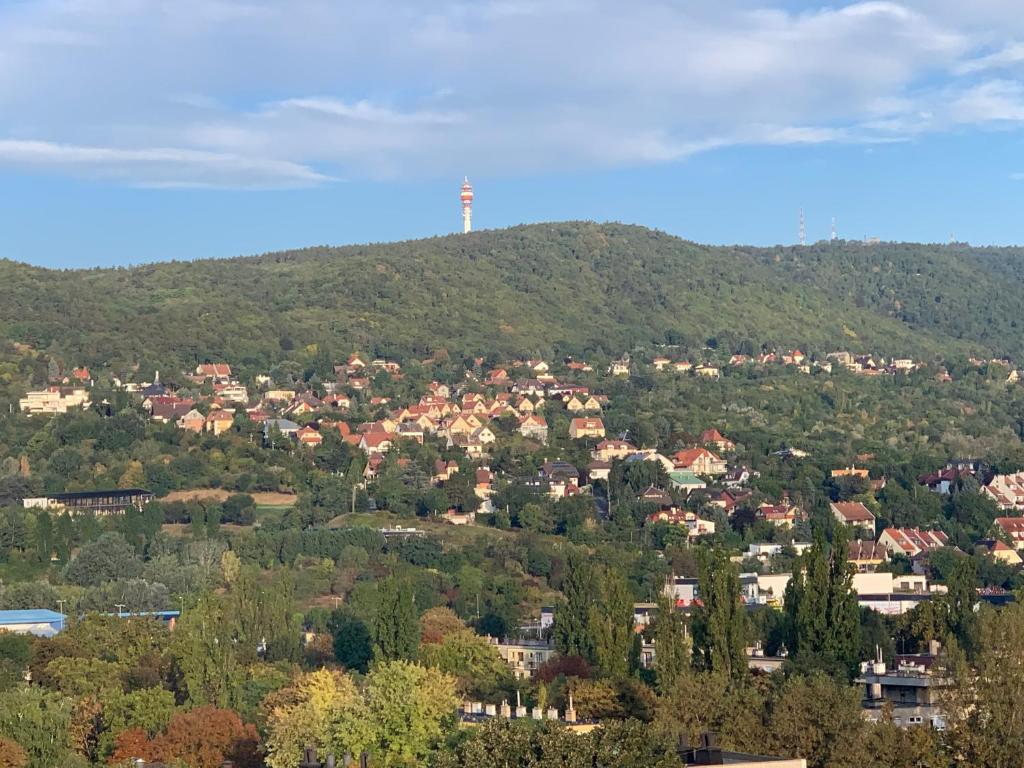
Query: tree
[
  {"x": 396, "y": 632},
  {"x": 204, "y": 651},
  {"x": 473, "y": 661},
  {"x": 308, "y": 712},
  {"x": 201, "y": 738},
  {"x": 39, "y": 721},
  {"x": 412, "y": 708},
  {"x": 822, "y": 611},
  {"x": 437, "y": 623},
  {"x": 959, "y": 601},
  {"x": 610, "y": 625},
  {"x": 720, "y": 621},
  {"x": 108, "y": 558},
  {"x": 571, "y": 630},
  {"x": 353, "y": 646},
  {"x": 148, "y": 710},
  {"x": 820, "y": 720},
  {"x": 15, "y": 655},
  {"x": 673, "y": 652},
  {"x": 982, "y": 705}
]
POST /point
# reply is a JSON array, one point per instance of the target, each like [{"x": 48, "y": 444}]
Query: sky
[{"x": 135, "y": 131}]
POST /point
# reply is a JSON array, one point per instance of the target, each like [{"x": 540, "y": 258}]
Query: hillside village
[{"x": 540, "y": 448}]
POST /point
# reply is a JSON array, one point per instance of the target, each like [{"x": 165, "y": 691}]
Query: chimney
[{"x": 309, "y": 758}]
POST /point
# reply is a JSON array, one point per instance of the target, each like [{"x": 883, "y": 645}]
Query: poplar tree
[
  {"x": 611, "y": 624},
  {"x": 396, "y": 628},
  {"x": 720, "y": 622},
  {"x": 571, "y": 630},
  {"x": 821, "y": 609},
  {"x": 672, "y": 652}
]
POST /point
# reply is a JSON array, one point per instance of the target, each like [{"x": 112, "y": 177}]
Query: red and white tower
[{"x": 467, "y": 205}]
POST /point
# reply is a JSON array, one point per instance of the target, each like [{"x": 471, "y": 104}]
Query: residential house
[
  {"x": 232, "y": 393},
  {"x": 866, "y": 555},
  {"x": 309, "y": 437},
  {"x": 219, "y": 421},
  {"x": 534, "y": 427},
  {"x": 781, "y": 515},
  {"x": 54, "y": 400},
  {"x": 1007, "y": 491},
  {"x": 686, "y": 481},
  {"x": 286, "y": 427},
  {"x": 708, "y": 371},
  {"x": 586, "y": 427},
  {"x": 854, "y": 514},
  {"x": 694, "y": 525},
  {"x": 911, "y": 541},
  {"x": 376, "y": 442},
  {"x": 682, "y": 366},
  {"x": 700, "y": 461},
  {"x": 999, "y": 550},
  {"x": 660, "y": 363},
  {"x": 216, "y": 372},
  {"x": 850, "y": 471},
  {"x": 619, "y": 368},
  {"x": 1012, "y": 528},
  {"x": 193, "y": 421},
  {"x": 712, "y": 437},
  {"x": 609, "y": 450}
]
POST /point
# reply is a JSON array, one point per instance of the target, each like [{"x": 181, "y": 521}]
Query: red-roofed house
[
  {"x": 216, "y": 371},
  {"x": 580, "y": 428},
  {"x": 376, "y": 442},
  {"x": 911, "y": 541},
  {"x": 1013, "y": 527},
  {"x": 715, "y": 438},
  {"x": 309, "y": 437},
  {"x": 219, "y": 421},
  {"x": 700, "y": 461}
]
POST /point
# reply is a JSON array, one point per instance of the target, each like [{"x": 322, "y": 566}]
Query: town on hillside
[{"x": 514, "y": 525}]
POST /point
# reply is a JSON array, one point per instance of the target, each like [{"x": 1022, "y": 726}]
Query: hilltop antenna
[
  {"x": 835, "y": 235},
  {"x": 803, "y": 228}
]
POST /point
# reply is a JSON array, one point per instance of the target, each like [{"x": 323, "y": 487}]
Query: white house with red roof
[
  {"x": 700, "y": 461},
  {"x": 911, "y": 541},
  {"x": 1007, "y": 491},
  {"x": 1012, "y": 528}
]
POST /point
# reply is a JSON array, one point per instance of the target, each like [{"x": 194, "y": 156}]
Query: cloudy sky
[{"x": 137, "y": 130}]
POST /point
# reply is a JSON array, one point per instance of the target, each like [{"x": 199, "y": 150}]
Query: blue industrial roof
[{"x": 34, "y": 616}]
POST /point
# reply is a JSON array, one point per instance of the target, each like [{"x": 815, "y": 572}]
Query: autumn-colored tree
[
  {"x": 437, "y": 623},
  {"x": 202, "y": 738},
  {"x": 310, "y": 711}
]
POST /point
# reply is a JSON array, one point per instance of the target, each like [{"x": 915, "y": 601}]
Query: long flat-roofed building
[{"x": 109, "y": 502}]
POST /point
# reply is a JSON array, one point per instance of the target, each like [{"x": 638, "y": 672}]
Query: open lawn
[{"x": 262, "y": 498}]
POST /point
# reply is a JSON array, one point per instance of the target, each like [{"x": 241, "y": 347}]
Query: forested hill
[{"x": 542, "y": 289}]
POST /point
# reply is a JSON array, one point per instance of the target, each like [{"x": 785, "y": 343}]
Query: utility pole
[
  {"x": 60, "y": 605},
  {"x": 120, "y": 609}
]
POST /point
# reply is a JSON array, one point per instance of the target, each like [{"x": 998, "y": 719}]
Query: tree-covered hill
[{"x": 544, "y": 289}]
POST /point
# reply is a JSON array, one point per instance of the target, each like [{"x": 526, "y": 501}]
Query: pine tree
[
  {"x": 720, "y": 622},
  {"x": 396, "y": 629}
]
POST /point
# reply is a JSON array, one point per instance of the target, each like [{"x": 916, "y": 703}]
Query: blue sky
[{"x": 144, "y": 130}]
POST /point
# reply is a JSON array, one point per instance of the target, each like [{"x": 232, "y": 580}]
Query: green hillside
[{"x": 545, "y": 289}]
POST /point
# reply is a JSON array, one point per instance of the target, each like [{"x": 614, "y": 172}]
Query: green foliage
[
  {"x": 474, "y": 662},
  {"x": 108, "y": 558},
  {"x": 821, "y": 608},
  {"x": 353, "y": 646},
  {"x": 39, "y": 721},
  {"x": 720, "y": 622},
  {"x": 396, "y": 630}
]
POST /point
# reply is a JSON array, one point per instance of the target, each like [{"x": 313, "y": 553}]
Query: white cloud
[
  {"x": 161, "y": 167},
  {"x": 261, "y": 93}
]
